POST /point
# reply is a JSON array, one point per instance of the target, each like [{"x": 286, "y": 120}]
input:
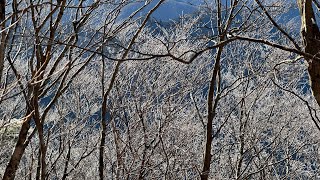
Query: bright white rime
[{"x": 174, "y": 89}]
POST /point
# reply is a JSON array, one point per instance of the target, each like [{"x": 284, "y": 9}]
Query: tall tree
[
  {"x": 3, "y": 35},
  {"x": 311, "y": 36}
]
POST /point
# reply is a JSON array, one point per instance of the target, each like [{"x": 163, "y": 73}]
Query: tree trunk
[
  {"x": 311, "y": 36},
  {"x": 3, "y": 36},
  {"x": 21, "y": 145},
  {"x": 212, "y": 104}
]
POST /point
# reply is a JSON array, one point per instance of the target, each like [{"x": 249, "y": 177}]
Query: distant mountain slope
[
  {"x": 169, "y": 10},
  {"x": 173, "y": 9}
]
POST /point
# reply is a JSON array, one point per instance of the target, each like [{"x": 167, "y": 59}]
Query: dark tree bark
[
  {"x": 22, "y": 143},
  {"x": 3, "y": 35},
  {"x": 212, "y": 105},
  {"x": 2, "y": 10},
  {"x": 311, "y": 40}
]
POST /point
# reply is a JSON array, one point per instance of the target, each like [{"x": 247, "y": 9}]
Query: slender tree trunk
[
  {"x": 20, "y": 147},
  {"x": 212, "y": 104},
  {"x": 311, "y": 39},
  {"x": 103, "y": 139},
  {"x": 3, "y": 36},
  {"x": 66, "y": 164}
]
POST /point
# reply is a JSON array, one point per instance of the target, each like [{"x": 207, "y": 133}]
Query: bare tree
[{"x": 222, "y": 93}]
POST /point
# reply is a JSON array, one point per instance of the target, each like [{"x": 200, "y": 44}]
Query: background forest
[{"x": 159, "y": 89}]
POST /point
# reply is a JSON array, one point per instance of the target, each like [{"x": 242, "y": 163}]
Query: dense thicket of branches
[{"x": 223, "y": 93}]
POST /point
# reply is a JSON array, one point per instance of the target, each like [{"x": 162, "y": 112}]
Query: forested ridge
[{"x": 159, "y": 89}]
